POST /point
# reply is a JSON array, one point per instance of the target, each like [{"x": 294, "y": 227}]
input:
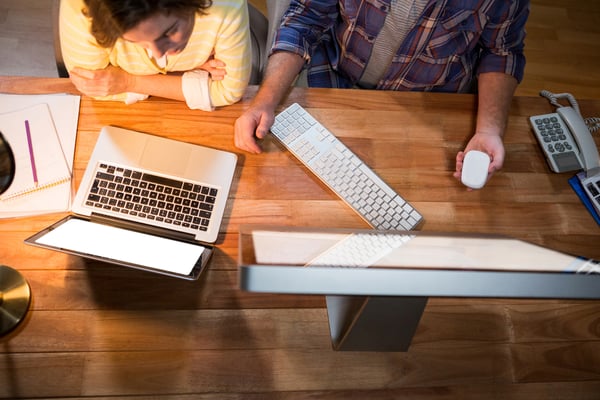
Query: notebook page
[
  {"x": 40, "y": 162},
  {"x": 64, "y": 109}
]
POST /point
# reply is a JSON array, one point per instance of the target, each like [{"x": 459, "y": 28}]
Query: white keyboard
[{"x": 340, "y": 169}]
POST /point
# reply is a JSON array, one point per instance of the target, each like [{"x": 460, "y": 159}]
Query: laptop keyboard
[{"x": 139, "y": 195}]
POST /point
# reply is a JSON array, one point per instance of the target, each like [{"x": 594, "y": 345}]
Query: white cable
[
  {"x": 554, "y": 97},
  {"x": 592, "y": 123}
]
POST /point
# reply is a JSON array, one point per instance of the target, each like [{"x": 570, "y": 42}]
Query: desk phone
[{"x": 567, "y": 142}]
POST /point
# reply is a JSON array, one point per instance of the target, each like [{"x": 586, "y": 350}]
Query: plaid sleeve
[
  {"x": 303, "y": 25},
  {"x": 503, "y": 39}
]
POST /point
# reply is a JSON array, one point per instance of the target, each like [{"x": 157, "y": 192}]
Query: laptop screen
[{"x": 123, "y": 246}]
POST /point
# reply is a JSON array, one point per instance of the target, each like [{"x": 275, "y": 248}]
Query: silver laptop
[{"x": 146, "y": 202}]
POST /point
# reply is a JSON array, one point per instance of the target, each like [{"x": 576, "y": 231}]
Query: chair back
[
  {"x": 60, "y": 63},
  {"x": 259, "y": 26},
  {"x": 275, "y": 10}
]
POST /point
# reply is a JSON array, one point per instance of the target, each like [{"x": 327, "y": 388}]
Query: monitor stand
[{"x": 373, "y": 323}]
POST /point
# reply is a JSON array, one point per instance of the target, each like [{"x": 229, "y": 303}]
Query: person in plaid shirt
[{"x": 419, "y": 45}]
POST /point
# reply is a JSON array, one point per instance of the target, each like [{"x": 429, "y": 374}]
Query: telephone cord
[
  {"x": 554, "y": 97},
  {"x": 593, "y": 123}
]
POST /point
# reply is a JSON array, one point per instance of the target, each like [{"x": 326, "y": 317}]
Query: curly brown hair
[{"x": 110, "y": 19}]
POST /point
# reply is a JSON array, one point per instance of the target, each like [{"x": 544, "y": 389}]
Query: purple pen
[{"x": 31, "y": 156}]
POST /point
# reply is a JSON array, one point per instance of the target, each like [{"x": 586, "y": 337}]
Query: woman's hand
[
  {"x": 102, "y": 82},
  {"x": 216, "y": 69}
]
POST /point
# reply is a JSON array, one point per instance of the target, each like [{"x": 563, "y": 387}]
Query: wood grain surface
[{"x": 100, "y": 331}]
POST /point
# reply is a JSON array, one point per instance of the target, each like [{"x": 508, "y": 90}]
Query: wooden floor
[
  {"x": 562, "y": 45},
  {"x": 563, "y": 55}
]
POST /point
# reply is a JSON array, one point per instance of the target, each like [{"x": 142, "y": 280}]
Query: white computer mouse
[{"x": 475, "y": 169}]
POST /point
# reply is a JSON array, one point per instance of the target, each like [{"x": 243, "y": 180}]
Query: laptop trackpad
[{"x": 166, "y": 157}]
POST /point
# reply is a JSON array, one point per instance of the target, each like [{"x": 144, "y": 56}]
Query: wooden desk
[{"x": 101, "y": 330}]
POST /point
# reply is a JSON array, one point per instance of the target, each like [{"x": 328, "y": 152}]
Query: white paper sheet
[{"x": 63, "y": 112}]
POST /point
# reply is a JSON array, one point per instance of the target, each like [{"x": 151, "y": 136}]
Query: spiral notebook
[{"x": 42, "y": 181}]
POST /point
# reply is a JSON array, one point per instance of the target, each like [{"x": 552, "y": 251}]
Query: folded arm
[{"x": 112, "y": 81}]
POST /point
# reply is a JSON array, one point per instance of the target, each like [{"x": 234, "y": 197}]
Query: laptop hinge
[{"x": 145, "y": 228}]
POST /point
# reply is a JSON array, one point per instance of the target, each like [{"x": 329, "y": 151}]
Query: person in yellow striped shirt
[{"x": 197, "y": 51}]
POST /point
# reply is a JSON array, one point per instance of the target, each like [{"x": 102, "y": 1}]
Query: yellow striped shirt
[{"x": 222, "y": 31}]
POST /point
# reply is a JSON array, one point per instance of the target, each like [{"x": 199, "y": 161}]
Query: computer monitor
[{"x": 371, "y": 277}]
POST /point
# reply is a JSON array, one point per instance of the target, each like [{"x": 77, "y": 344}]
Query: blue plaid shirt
[{"x": 452, "y": 41}]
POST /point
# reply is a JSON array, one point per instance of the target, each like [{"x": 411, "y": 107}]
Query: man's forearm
[
  {"x": 282, "y": 69},
  {"x": 496, "y": 91}
]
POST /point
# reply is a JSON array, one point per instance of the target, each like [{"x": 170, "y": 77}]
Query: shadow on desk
[
  {"x": 114, "y": 287},
  {"x": 186, "y": 321}
]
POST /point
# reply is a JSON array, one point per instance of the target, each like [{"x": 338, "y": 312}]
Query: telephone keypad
[
  {"x": 552, "y": 133},
  {"x": 556, "y": 141}
]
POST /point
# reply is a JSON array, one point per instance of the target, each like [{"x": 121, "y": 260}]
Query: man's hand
[
  {"x": 282, "y": 69},
  {"x": 102, "y": 82},
  {"x": 252, "y": 125},
  {"x": 494, "y": 99},
  {"x": 490, "y": 144}
]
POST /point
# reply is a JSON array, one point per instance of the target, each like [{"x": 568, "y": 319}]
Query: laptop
[{"x": 146, "y": 202}]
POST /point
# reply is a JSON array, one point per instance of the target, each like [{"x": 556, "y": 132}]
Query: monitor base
[{"x": 373, "y": 323}]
